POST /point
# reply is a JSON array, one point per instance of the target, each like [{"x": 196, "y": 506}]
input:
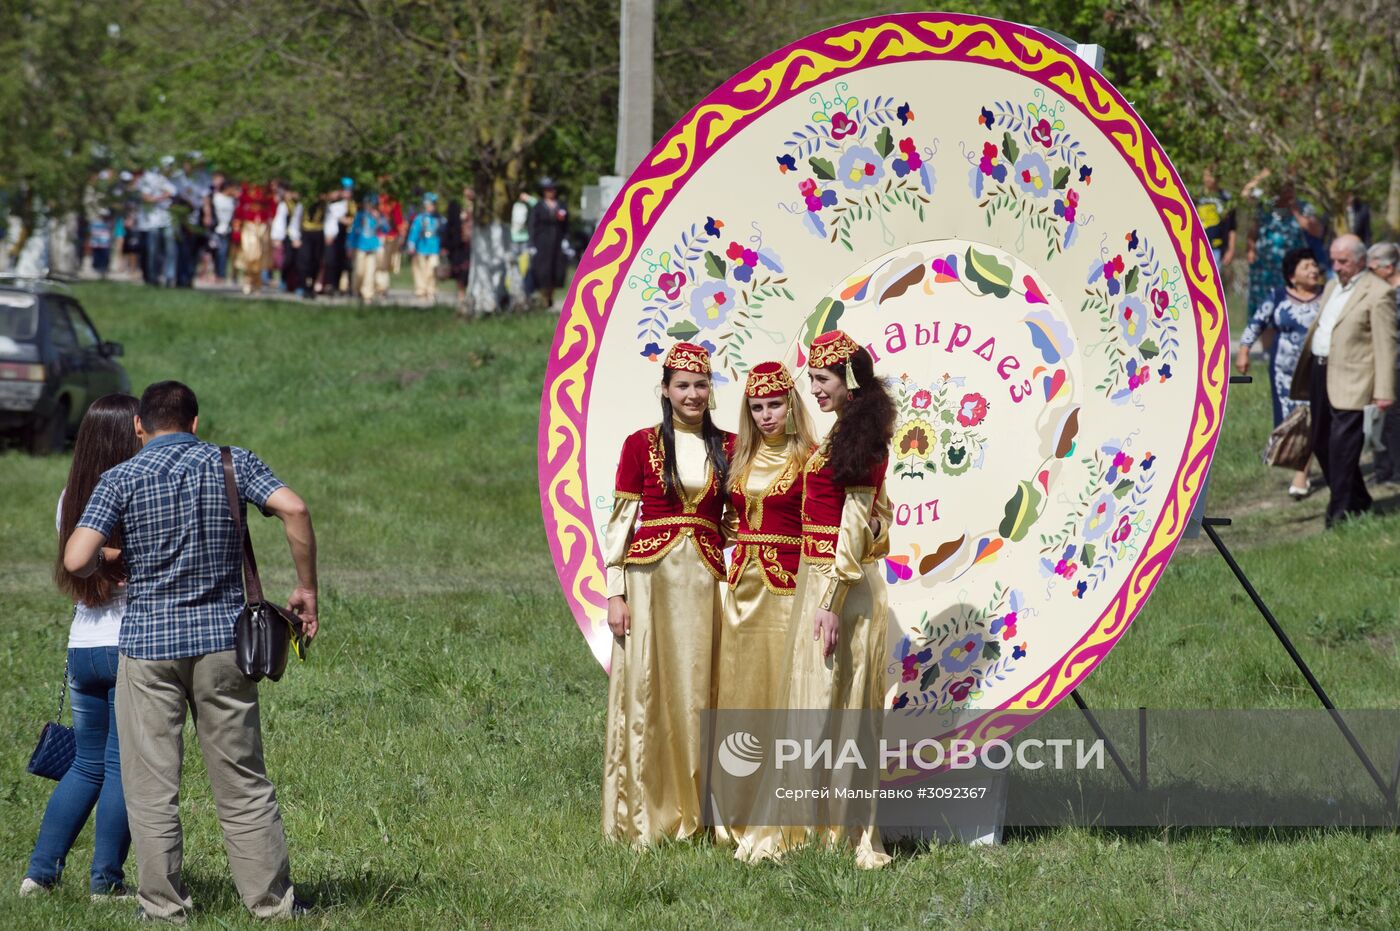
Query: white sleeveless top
[{"x": 93, "y": 627}]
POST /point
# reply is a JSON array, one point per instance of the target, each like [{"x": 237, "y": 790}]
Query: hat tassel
[
  {"x": 713, "y": 402},
  {"x": 851, "y": 383},
  {"x": 790, "y": 426}
]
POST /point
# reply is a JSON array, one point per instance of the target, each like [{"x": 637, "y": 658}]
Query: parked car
[{"x": 52, "y": 364}]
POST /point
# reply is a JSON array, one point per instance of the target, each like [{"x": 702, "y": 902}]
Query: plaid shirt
[{"x": 185, "y": 585}]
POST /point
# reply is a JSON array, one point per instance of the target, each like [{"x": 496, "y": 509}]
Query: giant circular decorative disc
[{"x": 987, "y": 215}]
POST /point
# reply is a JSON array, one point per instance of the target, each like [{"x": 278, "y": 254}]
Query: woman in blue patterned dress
[
  {"x": 1288, "y": 312},
  {"x": 1277, "y": 229}
]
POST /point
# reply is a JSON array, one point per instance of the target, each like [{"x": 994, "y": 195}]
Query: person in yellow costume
[
  {"x": 665, "y": 559},
  {"x": 775, "y": 439},
  {"x": 836, "y": 651}
]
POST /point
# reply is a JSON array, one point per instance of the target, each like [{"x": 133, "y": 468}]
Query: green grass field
[{"x": 438, "y": 760}]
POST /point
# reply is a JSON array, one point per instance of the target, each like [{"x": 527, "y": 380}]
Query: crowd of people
[
  {"x": 152, "y": 562},
  {"x": 1326, "y": 306},
  {"x": 173, "y": 226}
]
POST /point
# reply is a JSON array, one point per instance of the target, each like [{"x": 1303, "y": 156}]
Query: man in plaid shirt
[{"x": 185, "y": 590}]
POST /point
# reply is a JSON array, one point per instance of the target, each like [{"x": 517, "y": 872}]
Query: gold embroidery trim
[
  {"x": 808, "y": 528},
  {"x": 769, "y": 538},
  {"x": 682, "y": 521},
  {"x": 627, "y": 495},
  {"x": 656, "y": 459}
]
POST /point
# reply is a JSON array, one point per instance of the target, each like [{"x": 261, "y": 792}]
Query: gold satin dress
[
  {"x": 661, "y": 679},
  {"x": 853, "y": 677},
  {"x": 754, "y": 643}
]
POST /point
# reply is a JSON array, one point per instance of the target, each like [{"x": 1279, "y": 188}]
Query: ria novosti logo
[{"x": 740, "y": 754}]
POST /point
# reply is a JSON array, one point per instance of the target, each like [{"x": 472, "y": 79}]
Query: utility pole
[{"x": 635, "y": 131}]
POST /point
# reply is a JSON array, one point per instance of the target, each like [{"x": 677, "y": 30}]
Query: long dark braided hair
[
  {"x": 862, "y": 436},
  {"x": 714, "y": 443}
]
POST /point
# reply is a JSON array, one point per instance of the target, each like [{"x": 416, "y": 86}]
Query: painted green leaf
[
  {"x": 990, "y": 275},
  {"x": 1124, "y": 486},
  {"x": 822, "y": 168},
  {"x": 1086, "y": 555},
  {"x": 884, "y": 143},
  {"x": 945, "y": 436},
  {"x": 683, "y": 330},
  {"x": 714, "y": 265},
  {"x": 991, "y": 649},
  {"x": 929, "y": 677},
  {"x": 823, "y": 320},
  {"x": 1130, "y": 283},
  {"x": 1020, "y": 512},
  {"x": 1009, "y": 148},
  {"x": 946, "y": 417},
  {"x": 1061, "y": 177},
  {"x": 1148, "y": 349}
]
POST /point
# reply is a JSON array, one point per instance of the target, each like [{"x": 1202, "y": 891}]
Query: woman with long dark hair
[
  {"x": 775, "y": 439},
  {"x": 665, "y": 560},
  {"x": 106, "y": 438},
  {"x": 457, "y": 243},
  {"x": 837, "y": 641}
]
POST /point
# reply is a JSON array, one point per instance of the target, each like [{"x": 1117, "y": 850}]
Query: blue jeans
[{"x": 94, "y": 779}]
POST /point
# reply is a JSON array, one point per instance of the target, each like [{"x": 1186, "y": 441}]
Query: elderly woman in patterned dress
[{"x": 1288, "y": 313}]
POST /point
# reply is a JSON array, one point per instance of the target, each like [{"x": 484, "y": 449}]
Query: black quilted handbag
[{"x": 57, "y": 746}]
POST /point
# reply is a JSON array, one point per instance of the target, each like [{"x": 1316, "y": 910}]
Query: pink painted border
[{"x": 583, "y": 310}]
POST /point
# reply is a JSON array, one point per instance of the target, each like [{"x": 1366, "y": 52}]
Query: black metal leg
[
  {"x": 1209, "y": 524},
  {"x": 1113, "y": 750}
]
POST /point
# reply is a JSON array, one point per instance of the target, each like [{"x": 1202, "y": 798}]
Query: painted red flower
[
  {"x": 1041, "y": 133},
  {"x": 1159, "y": 302},
  {"x": 1122, "y": 531},
  {"x": 842, "y": 126},
  {"x": 959, "y": 690},
  {"x": 671, "y": 283},
  {"x": 921, "y": 400},
  {"x": 972, "y": 410},
  {"x": 807, "y": 187}
]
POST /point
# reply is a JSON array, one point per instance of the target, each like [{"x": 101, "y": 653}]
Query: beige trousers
[
  {"x": 425, "y": 276},
  {"x": 366, "y": 264},
  {"x": 152, "y": 696},
  {"x": 388, "y": 262}
]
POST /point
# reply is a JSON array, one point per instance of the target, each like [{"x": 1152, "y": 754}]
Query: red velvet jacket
[
  {"x": 773, "y": 541},
  {"x": 666, "y": 520},
  {"x": 823, "y": 500}
]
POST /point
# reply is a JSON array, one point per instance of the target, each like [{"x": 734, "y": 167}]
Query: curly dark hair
[
  {"x": 862, "y": 436},
  {"x": 714, "y": 444}
]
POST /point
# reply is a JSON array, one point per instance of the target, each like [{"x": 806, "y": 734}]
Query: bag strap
[
  {"x": 252, "y": 586},
  {"x": 63, "y": 686}
]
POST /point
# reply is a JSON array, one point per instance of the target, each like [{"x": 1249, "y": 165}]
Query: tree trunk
[{"x": 1392, "y": 200}]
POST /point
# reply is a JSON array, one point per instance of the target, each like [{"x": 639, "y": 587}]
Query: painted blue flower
[
  {"x": 1100, "y": 517},
  {"x": 713, "y": 226},
  {"x": 1095, "y": 270},
  {"x": 961, "y": 654},
  {"x": 1080, "y": 589},
  {"x": 1033, "y": 175},
  {"x": 813, "y": 222},
  {"x": 1132, "y": 319},
  {"x": 905, "y": 114},
  {"x": 770, "y": 260},
  {"x": 986, "y": 118},
  {"x": 1147, "y": 462},
  {"x": 927, "y": 177},
  {"x": 860, "y": 168},
  {"x": 1165, "y": 371},
  {"x": 652, "y": 351},
  {"x": 1085, "y": 173},
  {"x": 900, "y": 701},
  {"x": 710, "y": 304},
  {"x": 743, "y": 272},
  {"x": 1019, "y": 651},
  {"x": 975, "y": 181},
  {"x": 786, "y": 163}
]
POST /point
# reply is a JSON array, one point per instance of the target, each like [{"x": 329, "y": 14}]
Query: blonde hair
[{"x": 750, "y": 440}]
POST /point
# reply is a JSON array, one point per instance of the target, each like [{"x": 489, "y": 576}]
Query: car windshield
[{"x": 19, "y": 320}]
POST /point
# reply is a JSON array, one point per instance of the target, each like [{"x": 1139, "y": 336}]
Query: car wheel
[{"x": 49, "y": 434}]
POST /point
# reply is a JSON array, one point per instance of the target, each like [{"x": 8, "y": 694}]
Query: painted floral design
[
  {"x": 945, "y": 662},
  {"x": 712, "y": 289},
  {"x": 1024, "y": 171},
  {"x": 1139, "y": 301},
  {"x": 937, "y": 428},
  {"x": 857, "y": 167},
  {"x": 1108, "y": 520}
]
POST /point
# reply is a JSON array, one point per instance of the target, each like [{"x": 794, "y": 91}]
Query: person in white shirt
[
  {"x": 224, "y": 205},
  {"x": 106, "y": 438}
]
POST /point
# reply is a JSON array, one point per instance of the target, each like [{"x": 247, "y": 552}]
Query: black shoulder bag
[
  {"x": 264, "y": 632},
  {"x": 57, "y": 743}
]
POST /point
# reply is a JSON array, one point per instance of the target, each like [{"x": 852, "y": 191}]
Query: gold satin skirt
[
  {"x": 851, "y": 679},
  {"x": 254, "y": 247},
  {"x": 752, "y": 670},
  {"x": 660, "y": 684}
]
